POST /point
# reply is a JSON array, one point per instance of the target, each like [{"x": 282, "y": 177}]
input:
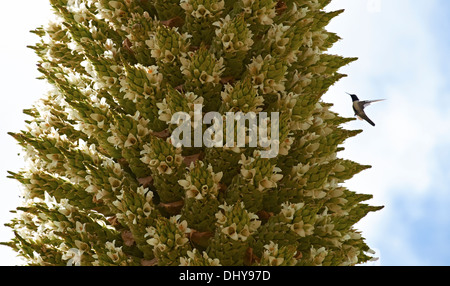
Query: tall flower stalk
[{"x": 104, "y": 184}]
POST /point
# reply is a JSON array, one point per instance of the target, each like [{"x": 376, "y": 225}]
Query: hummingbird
[{"x": 359, "y": 105}]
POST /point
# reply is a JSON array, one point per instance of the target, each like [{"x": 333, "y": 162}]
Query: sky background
[{"x": 403, "y": 49}]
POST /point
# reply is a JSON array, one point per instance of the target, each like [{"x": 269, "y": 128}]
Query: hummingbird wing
[{"x": 366, "y": 103}]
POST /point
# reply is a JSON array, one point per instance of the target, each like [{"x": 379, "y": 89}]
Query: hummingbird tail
[
  {"x": 366, "y": 118},
  {"x": 370, "y": 122}
]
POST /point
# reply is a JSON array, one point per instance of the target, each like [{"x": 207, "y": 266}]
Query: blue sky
[
  {"x": 402, "y": 47},
  {"x": 402, "y": 50}
]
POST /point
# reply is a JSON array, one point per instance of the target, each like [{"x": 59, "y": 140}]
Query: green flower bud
[
  {"x": 169, "y": 240},
  {"x": 233, "y": 40},
  {"x": 167, "y": 47},
  {"x": 202, "y": 73},
  {"x": 167, "y": 168},
  {"x": 200, "y": 15},
  {"x": 241, "y": 97}
]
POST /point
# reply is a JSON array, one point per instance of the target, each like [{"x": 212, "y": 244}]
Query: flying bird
[{"x": 359, "y": 105}]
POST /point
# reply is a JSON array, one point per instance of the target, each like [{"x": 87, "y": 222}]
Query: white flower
[
  {"x": 92, "y": 189},
  {"x": 114, "y": 140},
  {"x": 115, "y": 183},
  {"x": 266, "y": 184},
  {"x": 274, "y": 261},
  {"x": 254, "y": 224},
  {"x": 193, "y": 192},
  {"x": 201, "y": 12},
  {"x": 114, "y": 256},
  {"x": 184, "y": 183},
  {"x": 244, "y": 233},
  {"x": 73, "y": 256},
  {"x": 83, "y": 246},
  {"x": 248, "y": 174},
  {"x": 231, "y": 231},
  {"x": 131, "y": 140},
  {"x": 147, "y": 209},
  {"x": 50, "y": 201},
  {"x": 117, "y": 204},
  {"x": 65, "y": 209},
  {"x": 153, "y": 241},
  {"x": 37, "y": 258},
  {"x": 288, "y": 212},
  {"x": 80, "y": 227},
  {"x": 163, "y": 168},
  {"x": 102, "y": 193},
  {"x": 182, "y": 226},
  {"x": 180, "y": 240},
  {"x": 302, "y": 229},
  {"x": 221, "y": 218}
]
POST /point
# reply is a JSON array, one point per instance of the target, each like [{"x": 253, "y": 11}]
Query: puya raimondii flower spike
[{"x": 104, "y": 185}]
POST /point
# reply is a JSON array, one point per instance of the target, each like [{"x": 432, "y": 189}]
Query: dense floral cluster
[{"x": 105, "y": 186}]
